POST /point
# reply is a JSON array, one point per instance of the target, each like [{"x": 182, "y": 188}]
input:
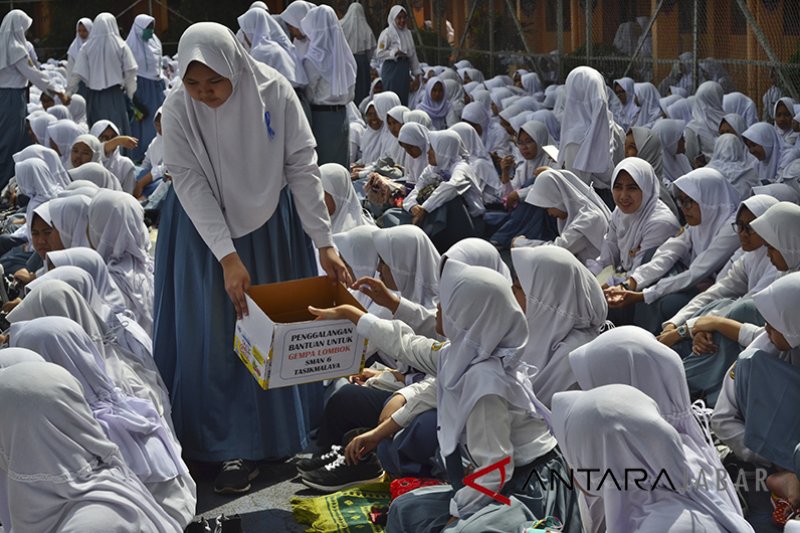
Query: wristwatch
[{"x": 683, "y": 331}]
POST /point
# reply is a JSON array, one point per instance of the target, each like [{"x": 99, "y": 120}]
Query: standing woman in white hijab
[
  {"x": 150, "y": 86},
  {"x": 82, "y": 30},
  {"x": 16, "y": 70},
  {"x": 225, "y": 213},
  {"x": 267, "y": 43},
  {"x": 591, "y": 142},
  {"x": 635, "y": 435},
  {"x": 331, "y": 70},
  {"x": 59, "y": 470},
  {"x": 362, "y": 44},
  {"x": 108, "y": 68},
  {"x": 397, "y": 55}
]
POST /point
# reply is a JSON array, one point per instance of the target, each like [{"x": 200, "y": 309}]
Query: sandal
[{"x": 783, "y": 511}]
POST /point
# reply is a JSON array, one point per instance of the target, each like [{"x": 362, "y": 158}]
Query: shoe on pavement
[{"x": 235, "y": 476}]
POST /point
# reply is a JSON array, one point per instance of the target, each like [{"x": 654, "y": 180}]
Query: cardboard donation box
[{"x": 281, "y": 343}]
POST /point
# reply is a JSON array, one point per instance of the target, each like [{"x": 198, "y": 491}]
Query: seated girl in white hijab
[
  {"x": 558, "y": 321},
  {"x": 494, "y": 137},
  {"x": 122, "y": 167},
  {"x": 118, "y": 233},
  {"x": 673, "y": 148},
  {"x": 446, "y": 201},
  {"x": 485, "y": 403},
  {"x": 60, "y": 135},
  {"x": 709, "y": 204},
  {"x": 143, "y": 436},
  {"x": 581, "y": 215},
  {"x": 343, "y": 205},
  {"x": 635, "y": 436},
  {"x": 85, "y": 149},
  {"x": 481, "y": 162},
  {"x": 703, "y": 129},
  {"x": 771, "y": 151},
  {"x": 50, "y": 434},
  {"x": 645, "y": 144},
  {"x": 639, "y": 224},
  {"x": 631, "y": 356},
  {"x": 783, "y": 113},
  {"x": 733, "y": 161},
  {"x": 377, "y": 141},
  {"x": 96, "y": 174},
  {"x": 753, "y": 415},
  {"x": 413, "y": 139}
]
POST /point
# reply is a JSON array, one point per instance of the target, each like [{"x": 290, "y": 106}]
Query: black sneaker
[
  {"x": 338, "y": 475},
  {"x": 235, "y": 476},
  {"x": 318, "y": 460}
]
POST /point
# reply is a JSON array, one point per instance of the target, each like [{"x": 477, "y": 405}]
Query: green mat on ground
[{"x": 342, "y": 512}]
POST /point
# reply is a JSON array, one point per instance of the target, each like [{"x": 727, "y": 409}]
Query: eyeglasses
[
  {"x": 742, "y": 227},
  {"x": 684, "y": 202}
]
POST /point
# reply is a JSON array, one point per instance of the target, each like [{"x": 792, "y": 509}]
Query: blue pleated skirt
[
  {"x": 12, "y": 130},
  {"x": 363, "y": 80},
  {"x": 219, "y": 410},
  {"x": 150, "y": 94},
  {"x": 332, "y": 132},
  {"x": 396, "y": 77},
  {"x": 108, "y": 104}
]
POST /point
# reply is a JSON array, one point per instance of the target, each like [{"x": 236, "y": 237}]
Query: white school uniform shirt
[
  {"x": 105, "y": 60},
  {"x": 328, "y": 62},
  {"x": 16, "y": 66},
  {"x": 393, "y": 40}
]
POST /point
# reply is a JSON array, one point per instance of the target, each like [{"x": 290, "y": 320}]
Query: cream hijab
[{"x": 564, "y": 318}]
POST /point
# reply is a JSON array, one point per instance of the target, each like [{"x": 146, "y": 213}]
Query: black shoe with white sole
[
  {"x": 319, "y": 460},
  {"x": 235, "y": 476},
  {"x": 338, "y": 475}
]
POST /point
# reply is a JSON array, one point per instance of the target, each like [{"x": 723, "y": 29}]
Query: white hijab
[
  {"x": 36, "y": 182},
  {"x": 39, "y": 125},
  {"x": 634, "y": 435},
  {"x": 14, "y": 356},
  {"x": 93, "y": 143},
  {"x": 742, "y": 105},
  {"x": 96, "y": 174},
  {"x": 632, "y": 356},
  {"x": 778, "y": 305},
  {"x": 473, "y": 251},
  {"x": 670, "y": 131},
  {"x": 104, "y": 58},
  {"x": 252, "y": 183},
  {"x": 449, "y": 151},
  {"x": 357, "y": 248},
  {"x": 118, "y": 233},
  {"x": 356, "y": 29},
  {"x": 632, "y": 229},
  {"x": 778, "y": 153},
  {"x": 81, "y": 281},
  {"x": 70, "y": 216},
  {"x": 92, "y": 262},
  {"x": 626, "y": 116},
  {"x": 61, "y": 112},
  {"x": 77, "y": 106},
  {"x": 77, "y": 43},
  {"x": 415, "y": 135},
  {"x": 733, "y": 161},
  {"x": 401, "y": 36},
  {"x": 707, "y": 112},
  {"x": 328, "y": 50},
  {"x": 413, "y": 260},
  {"x": 63, "y": 133},
  {"x": 349, "y": 214},
  {"x": 650, "y": 108},
  {"x": 778, "y": 226},
  {"x": 487, "y": 333},
  {"x": 718, "y": 204},
  {"x": 50, "y": 157},
  {"x": 589, "y": 122},
  {"x": 13, "y": 45},
  {"x": 548, "y": 118},
  {"x": 377, "y": 143},
  {"x": 50, "y": 436},
  {"x": 146, "y": 53},
  {"x": 565, "y": 191},
  {"x": 557, "y": 319}
]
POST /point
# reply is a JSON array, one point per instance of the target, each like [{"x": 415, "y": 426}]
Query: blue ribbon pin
[{"x": 270, "y": 131}]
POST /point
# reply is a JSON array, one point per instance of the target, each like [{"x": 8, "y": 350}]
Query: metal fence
[{"x": 746, "y": 45}]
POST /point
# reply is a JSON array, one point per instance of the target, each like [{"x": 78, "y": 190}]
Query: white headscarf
[
  {"x": 14, "y": 356},
  {"x": 648, "y": 147},
  {"x": 632, "y": 356},
  {"x": 589, "y": 121},
  {"x": 328, "y": 50},
  {"x": 37, "y": 183},
  {"x": 393, "y": 149},
  {"x": 415, "y": 135},
  {"x": 296, "y": 12},
  {"x": 707, "y": 113},
  {"x": 634, "y": 435},
  {"x": 557, "y": 319},
  {"x": 81, "y": 281},
  {"x": 62, "y": 133},
  {"x": 650, "y": 109},
  {"x": 13, "y": 45},
  {"x": 104, "y": 58},
  {"x": 377, "y": 143},
  {"x": 670, "y": 132},
  {"x": 77, "y": 43},
  {"x": 718, "y": 204},
  {"x": 549, "y": 119},
  {"x": 349, "y": 214},
  {"x": 565, "y": 191},
  {"x": 626, "y": 117},
  {"x": 788, "y": 134},
  {"x": 742, "y": 105},
  {"x": 449, "y": 151},
  {"x": 471, "y": 139},
  {"x": 146, "y": 53},
  {"x": 356, "y": 29},
  {"x": 50, "y": 157},
  {"x": 94, "y": 145},
  {"x": 418, "y": 116},
  {"x": 50, "y": 436},
  {"x": 473, "y": 251},
  {"x": 77, "y": 107},
  {"x": 39, "y": 126},
  {"x": 778, "y": 226},
  {"x": 70, "y": 217},
  {"x": 778, "y": 153},
  {"x": 733, "y": 161},
  {"x": 487, "y": 333},
  {"x": 682, "y": 110},
  {"x": 402, "y": 36},
  {"x": 736, "y": 122},
  {"x": 61, "y": 112},
  {"x": 413, "y": 260},
  {"x": 251, "y": 183},
  {"x": 631, "y": 230},
  {"x": 132, "y": 424},
  {"x": 358, "y": 249},
  {"x": 270, "y": 45},
  {"x": 93, "y": 263},
  {"x": 118, "y": 233},
  {"x": 778, "y": 305},
  {"x": 476, "y": 113},
  {"x": 97, "y": 174}
]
